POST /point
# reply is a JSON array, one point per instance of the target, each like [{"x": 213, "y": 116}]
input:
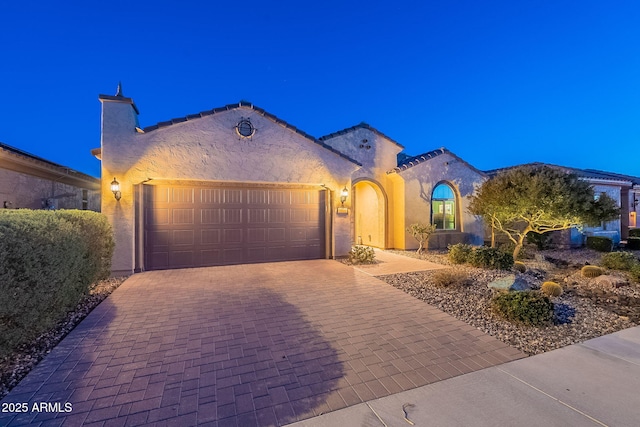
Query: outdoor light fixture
[
  {"x": 343, "y": 195},
  {"x": 115, "y": 187},
  {"x": 634, "y": 203}
]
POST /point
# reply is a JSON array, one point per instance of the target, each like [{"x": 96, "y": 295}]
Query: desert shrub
[
  {"x": 421, "y": 233},
  {"x": 460, "y": 253},
  {"x": 98, "y": 235},
  {"x": 601, "y": 244},
  {"x": 634, "y": 232},
  {"x": 493, "y": 258},
  {"x": 519, "y": 266},
  {"x": 360, "y": 254},
  {"x": 450, "y": 277},
  {"x": 45, "y": 268},
  {"x": 527, "y": 307},
  {"x": 591, "y": 271},
  {"x": 633, "y": 243},
  {"x": 619, "y": 260},
  {"x": 541, "y": 241},
  {"x": 551, "y": 289},
  {"x": 635, "y": 272}
]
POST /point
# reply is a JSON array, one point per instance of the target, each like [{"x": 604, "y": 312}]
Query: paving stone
[{"x": 251, "y": 345}]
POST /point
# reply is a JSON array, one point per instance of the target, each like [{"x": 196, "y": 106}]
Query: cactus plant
[
  {"x": 591, "y": 271},
  {"x": 551, "y": 289}
]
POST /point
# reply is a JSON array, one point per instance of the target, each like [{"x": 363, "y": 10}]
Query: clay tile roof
[
  {"x": 362, "y": 125},
  {"x": 405, "y": 162},
  {"x": 583, "y": 173},
  {"x": 260, "y": 111}
]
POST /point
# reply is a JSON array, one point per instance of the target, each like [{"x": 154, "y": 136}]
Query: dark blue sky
[{"x": 497, "y": 82}]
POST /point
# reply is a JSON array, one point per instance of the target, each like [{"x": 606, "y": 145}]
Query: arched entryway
[{"x": 370, "y": 207}]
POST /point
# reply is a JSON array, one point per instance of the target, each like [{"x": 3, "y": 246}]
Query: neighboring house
[
  {"x": 236, "y": 184},
  {"x": 28, "y": 181},
  {"x": 624, "y": 189}
]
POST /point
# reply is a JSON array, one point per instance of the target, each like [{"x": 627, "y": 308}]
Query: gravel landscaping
[
  {"x": 585, "y": 310},
  {"x": 16, "y": 366}
]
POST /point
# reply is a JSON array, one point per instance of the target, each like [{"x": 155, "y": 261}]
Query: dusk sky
[{"x": 497, "y": 82}]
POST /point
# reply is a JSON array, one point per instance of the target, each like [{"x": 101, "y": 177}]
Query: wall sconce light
[
  {"x": 115, "y": 187},
  {"x": 343, "y": 195},
  {"x": 634, "y": 204}
]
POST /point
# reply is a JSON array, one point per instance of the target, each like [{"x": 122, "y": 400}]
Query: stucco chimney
[{"x": 119, "y": 115}]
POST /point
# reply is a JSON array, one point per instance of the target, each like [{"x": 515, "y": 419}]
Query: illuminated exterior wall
[
  {"x": 209, "y": 149},
  {"x": 419, "y": 182}
]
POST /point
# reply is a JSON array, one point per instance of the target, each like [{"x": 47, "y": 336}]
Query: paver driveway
[{"x": 261, "y": 344}]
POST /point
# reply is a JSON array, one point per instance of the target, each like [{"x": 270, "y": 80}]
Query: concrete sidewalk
[
  {"x": 593, "y": 383},
  {"x": 388, "y": 263}
]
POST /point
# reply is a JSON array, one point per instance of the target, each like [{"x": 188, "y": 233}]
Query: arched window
[{"x": 443, "y": 207}]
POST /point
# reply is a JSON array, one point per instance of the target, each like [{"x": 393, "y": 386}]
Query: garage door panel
[
  {"x": 277, "y": 234},
  {"x": 233, "y": 256},
  {"x": 256, "y": 235},
  {"x": 159, "y": 260},
  {"x": 209, "y": 257},
  {"x": 232, "y": 235},
  {"x": 158, "y": 239},
  {"x": 299, "y": 215},
  {"x": 190, "y": 226},
  {"x": 277, "y": 216},
  {"x": 232, "y": 216},
  {"x": 210, "y": 237},
  {"x": 180, "y": 259},
  {"x": 211, "y": 196},
  {"x": 182, "y": 195},
  {"x": 157, "y": 216},
  {"x": 210, "y": 216},
  {"x": 182, "y": 216},
  {"x": 257, "y": 216},
  {"x": 232, "y": 196},
  {"x": 183, "y": 237}
]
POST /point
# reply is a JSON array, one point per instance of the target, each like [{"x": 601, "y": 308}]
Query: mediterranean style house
[
  {"x": 237, "y": 184},
  {"x": 29, "y": 181}
]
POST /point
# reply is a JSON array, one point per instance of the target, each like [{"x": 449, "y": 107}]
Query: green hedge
[
  {"x": 601, "y": 244},
  {"x": 634, "y": 232},
  {"x": 48, "y": 261}
]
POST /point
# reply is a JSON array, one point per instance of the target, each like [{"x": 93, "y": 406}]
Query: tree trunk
[{"x": 519, "y": 245}]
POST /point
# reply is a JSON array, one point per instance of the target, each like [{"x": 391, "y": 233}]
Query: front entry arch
[{"x": 370, "y": 207}]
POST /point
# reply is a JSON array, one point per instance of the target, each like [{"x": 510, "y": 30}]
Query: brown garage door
[{"x": 202, "y": 225}]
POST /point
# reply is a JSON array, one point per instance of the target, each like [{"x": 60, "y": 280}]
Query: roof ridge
[
  {"x": 20, "y": 152},
  {"x": 361, "y": 125},
  {"x": 261, "y": 111}
]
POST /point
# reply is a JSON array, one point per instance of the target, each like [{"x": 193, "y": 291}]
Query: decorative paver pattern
[{"x": 248, "y": 345}]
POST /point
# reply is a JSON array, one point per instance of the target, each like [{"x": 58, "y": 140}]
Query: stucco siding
[
  {"x": 419, "y": 182},
  {"x": 209, "y": 149}
]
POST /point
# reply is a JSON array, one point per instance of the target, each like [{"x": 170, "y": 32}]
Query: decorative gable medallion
[{"x": 245, "y": 128}]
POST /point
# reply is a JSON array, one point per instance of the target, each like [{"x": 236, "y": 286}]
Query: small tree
[
  {"x": 421, "y": 233},
  {"x": 539, "y": 199}
]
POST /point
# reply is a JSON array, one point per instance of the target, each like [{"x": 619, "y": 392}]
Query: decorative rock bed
[{"x": 585, "y": 310}]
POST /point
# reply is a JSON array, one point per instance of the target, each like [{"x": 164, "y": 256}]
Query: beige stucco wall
[
  {"x": 21, "y": 190},
  {"x": 209, "y": 149},
  {"x": 377, "y": 155},
  {"x": 419, "y": 182}
]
